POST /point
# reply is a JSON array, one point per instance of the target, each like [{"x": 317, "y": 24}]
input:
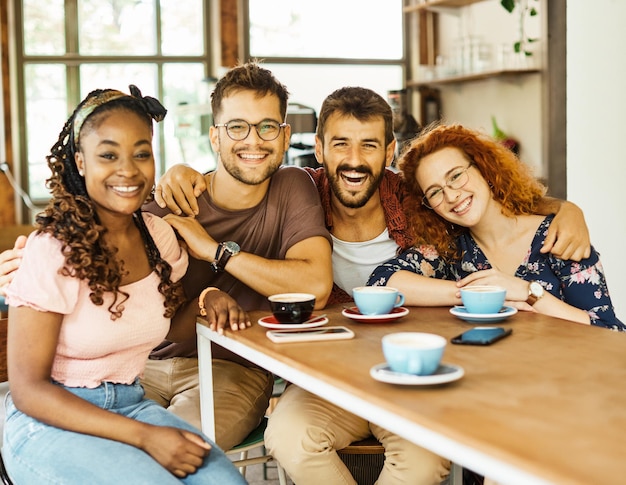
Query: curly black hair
[{"x": 70, "y": 216}]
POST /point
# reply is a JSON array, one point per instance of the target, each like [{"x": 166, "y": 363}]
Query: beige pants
[
  {"x": 241, "y": 395},
  {"x": 304, "y": 432}
]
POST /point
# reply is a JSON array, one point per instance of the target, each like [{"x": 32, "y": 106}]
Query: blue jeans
[{"x": 34, "y": 452}]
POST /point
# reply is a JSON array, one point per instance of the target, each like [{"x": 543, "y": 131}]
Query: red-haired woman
[{"x": 475, "y": 222}]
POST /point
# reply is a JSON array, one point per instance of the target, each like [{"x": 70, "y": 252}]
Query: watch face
[
  {"x": 231, "y": 246},
  {"x": 536, "y": 289}
]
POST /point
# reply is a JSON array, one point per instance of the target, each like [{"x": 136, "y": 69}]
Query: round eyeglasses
[
  {"x": 434, "y": 195},
  {"x": 238, "y": 130}
]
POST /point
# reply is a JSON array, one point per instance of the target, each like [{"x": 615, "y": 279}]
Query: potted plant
[{"x": 524, "y": 9}]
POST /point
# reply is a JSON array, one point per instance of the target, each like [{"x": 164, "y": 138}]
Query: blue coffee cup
[
  {"x": 377, "y": 300},
  {"x": 485, "y": 299},
  {"x": 413, "y": 353}
]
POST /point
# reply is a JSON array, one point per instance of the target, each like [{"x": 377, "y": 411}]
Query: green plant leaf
[
  {"x": 509, "y": 5},
  {"x": 517, "y": 47},
  {"x": 533, "y": 12}
]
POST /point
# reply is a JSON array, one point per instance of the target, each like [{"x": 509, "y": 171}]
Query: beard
[
  {"x": 355, "y": 199},
  {"x": 252, "y": 176}
]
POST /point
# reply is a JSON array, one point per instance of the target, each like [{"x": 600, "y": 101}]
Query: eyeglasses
[
  {"x": 457, "y": 180},
  {"x": 238, "y": 130}
]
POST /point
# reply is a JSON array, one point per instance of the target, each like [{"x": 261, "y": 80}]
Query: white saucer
[
  {"x": 271, "y": 322},
  {"x": 463, "y": 314},
  {"x": 445, "y": 373},
  {"x": 354, "y": 314}
]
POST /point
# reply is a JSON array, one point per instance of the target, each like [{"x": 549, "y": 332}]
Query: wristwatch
[
  {"x": 535, "y": 292},
  {"x": 225, "y": 250}
]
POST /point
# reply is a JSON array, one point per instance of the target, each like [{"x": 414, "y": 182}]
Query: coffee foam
[{"x": 375, "y": 289}]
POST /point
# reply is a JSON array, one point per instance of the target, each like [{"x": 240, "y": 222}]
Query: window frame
[{"x": 72, "y": 60}]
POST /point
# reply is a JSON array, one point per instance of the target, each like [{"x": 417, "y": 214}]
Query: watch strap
[
  {"x": 223, "y": 254},
  {"x": 224, "y": 257},
  {"x": 215, "y": 265}
]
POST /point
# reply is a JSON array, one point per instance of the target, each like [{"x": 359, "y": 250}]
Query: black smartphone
[{"x": 481, "y": 336}]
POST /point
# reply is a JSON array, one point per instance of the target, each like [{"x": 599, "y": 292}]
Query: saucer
[
  {"x": 354, "y": 314},
  {"x": 271, "y": 322},
  {"x": 463, "y": 314},
  {"x": 444, "y": 373}
]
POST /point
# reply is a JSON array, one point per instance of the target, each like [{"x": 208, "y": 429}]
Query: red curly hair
[{"x": 511, "y": 181}]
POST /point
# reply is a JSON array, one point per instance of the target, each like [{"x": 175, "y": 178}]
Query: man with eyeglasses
[{"x": 261, "y": 231}]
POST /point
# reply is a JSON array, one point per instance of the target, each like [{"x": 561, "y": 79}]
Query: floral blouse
[{"x": 580, "y": 284}]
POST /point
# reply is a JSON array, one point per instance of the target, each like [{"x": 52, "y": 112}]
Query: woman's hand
[
  {"x": 516, "y": 288},
  {"x": 221, "y": 310},
  {"x": 179, "y": 451}
]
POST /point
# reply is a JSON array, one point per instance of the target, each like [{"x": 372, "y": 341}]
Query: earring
[{"x": 81, "y": 173}]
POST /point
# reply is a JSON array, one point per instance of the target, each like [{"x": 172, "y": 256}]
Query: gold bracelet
[{"x": 203, "y": 296}]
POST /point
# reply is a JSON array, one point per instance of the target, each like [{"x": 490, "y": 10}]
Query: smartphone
[
  {"x": 309, "y": 334},
  {"x": 481, "y": 336}
]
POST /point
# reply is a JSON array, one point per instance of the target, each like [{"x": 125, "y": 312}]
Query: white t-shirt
[{"x": 353, "y": 262}]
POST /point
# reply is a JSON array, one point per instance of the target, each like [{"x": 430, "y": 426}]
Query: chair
[
  {"x": 256, "y": 439},
  {"x": 364, "y": 459}
]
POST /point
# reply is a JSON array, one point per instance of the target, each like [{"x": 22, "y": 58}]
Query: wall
[
  {"x": 596, "y": 106},
  {"x": 515, "y": 101}
]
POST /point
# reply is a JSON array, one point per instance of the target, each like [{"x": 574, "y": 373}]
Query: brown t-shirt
[{"x": 290, "y": 212}]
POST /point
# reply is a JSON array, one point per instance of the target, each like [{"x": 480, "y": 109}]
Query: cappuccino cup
[
  {"x": 484, "y": 299},
  {"x": 292, "y": 308},
  {"x": 377, "y": 300},
  {"x": 413, "y": 353}
]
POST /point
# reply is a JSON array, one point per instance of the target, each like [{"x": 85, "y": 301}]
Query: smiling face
[
  {"x": 354, "y": 156},
  {"x": 251, "y": 160},
  {"x": 117, "y": 161},
  {"x": 465, "y": 206}
]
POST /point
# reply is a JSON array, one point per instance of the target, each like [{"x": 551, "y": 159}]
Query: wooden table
[{"x": 545, "y": 405}]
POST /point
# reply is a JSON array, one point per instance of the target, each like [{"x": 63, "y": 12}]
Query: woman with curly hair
[
  {"x": 95, "y": 291},
  {"x": 474, "y": 220}
]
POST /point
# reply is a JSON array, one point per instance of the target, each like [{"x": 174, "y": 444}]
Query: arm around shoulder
[{"x": 568, "y": 235}]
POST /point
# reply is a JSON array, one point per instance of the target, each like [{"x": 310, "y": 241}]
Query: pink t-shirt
[{"x": 93, "y": 348}]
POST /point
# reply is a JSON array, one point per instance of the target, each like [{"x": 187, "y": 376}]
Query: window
[
  {"x": 315, "y": 47},
  {"x": 66, "y": 48}
]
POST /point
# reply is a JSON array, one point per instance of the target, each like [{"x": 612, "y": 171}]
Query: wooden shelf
[
  {"x": 471, "y": 77},
  {"x": 439, "y": 3}
]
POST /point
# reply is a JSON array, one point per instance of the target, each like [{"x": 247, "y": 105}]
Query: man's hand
[
  {"x": 198, "y": 242},
  {"x": 568, "y": 235},
  {"x": 222, "y": 310},
  {"x": 178, "y": 190},
  {"x": 9, "y": 261}
]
